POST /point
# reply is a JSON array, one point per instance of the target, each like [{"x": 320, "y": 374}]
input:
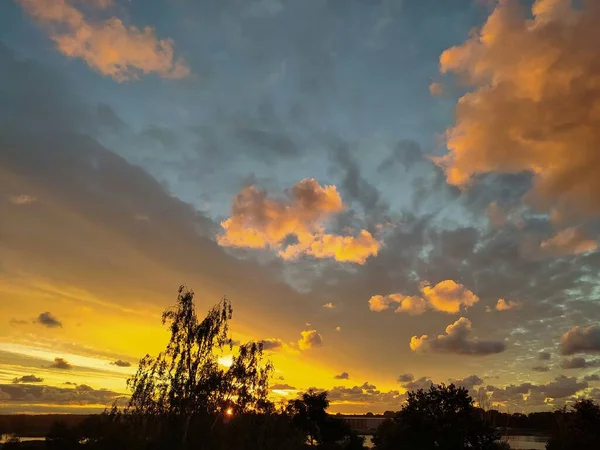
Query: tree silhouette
[
  {"x": 442, "y": 417},
  {"x": 185, "y": 382},
  {"x": 578, "y": 429},
  {"x": 309, "y": 414}
]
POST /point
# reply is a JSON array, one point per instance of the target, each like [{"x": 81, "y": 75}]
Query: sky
[{"x": 390, "y": 192}]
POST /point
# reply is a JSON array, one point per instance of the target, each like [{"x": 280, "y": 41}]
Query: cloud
[
  {"x": 503, "y": 305},
  {"x": 544, "y": 356},
  {"x": 110, "y": 47},
  {"x": 342, "y": 376},
  {"x": 532, "y": 110},
  {"x": 121, "y": 363},
  {"x": 412, "y": 305},
  {"x": 282, "y": 387},
  {"x": 48, "y": 320},
  {"x": 310, "y": 339},
  {"x": 405, "y": 378},
  {"x": 22, "y": 199},
  {"x": 581, "y": 340},
  {"x": 540, "y": 368},
  {"x": 579, "y": 362},
  {"x": 259, "y": 222},
  {"x": 420, "y": 383},
  {"x": 570, "y": 241},
  {"x": 29, "y": 394},
  {"x": 561, "y": 387},
  {"x": 272, "y": 344},
  {"x": 592, "y": 377},
  {"x": 469, "y": 382},
  {"x": 28, "y": 379},
  {"x": 456, "y": 340},
  {"x": 17, "y": 322},
  {"x": 446, "y": 296},
  {"x": 436, "y": 89},
  {"x": 60, "y": 363},
  {"x": 329, "y": 305}
]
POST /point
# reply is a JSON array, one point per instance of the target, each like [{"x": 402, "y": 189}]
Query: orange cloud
[
  {"x": 503, "y": 305},
  {"x": 446, "y": 296},
  {"x": 570, "y": 241},
  {"x": 436, "y": 89},
  {"x": 108, "y": 46},
  {"x": 260, "y": 222},
  {"x": 534, "y": 103}
]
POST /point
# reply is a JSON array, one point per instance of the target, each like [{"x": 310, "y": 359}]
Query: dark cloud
[
  {"x": 39, "y": 394},
  {"x": 60, "y": 363},
  {"x": 544, "y": 356},
  {"x": 282, "y": 387},
  {"x": 48, "y": 320},
  {"x": 469, "y": 382},
  {"x": 405, "y": 153},
  {"x": 353, "y": 185},
  {"x": 540, "y": 368},
  {"x": 581, "y": 340},
  {"x": 28, "y": 379},
  {"x": 593, "y": 377},
  {"x": 420, "y": 383},
  {"x": 121, "y": 363},
  {"x": 17, "y": 322},
  {"x": 405, "y": 378},
  {"x": 272, "y": 344},
  {"x": 457, "y": 340},
  {"x": 107, "y": 118},
  {"x": 578, "y": 362},
  {"x": 342, "y": 376}
]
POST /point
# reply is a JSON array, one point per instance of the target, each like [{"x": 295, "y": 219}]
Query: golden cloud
[
  {"x": 260, "y": 222},
  {"x": 310, "y": 339},
  {"x": 446, "y": 296},
  {"x": 503, "y": 305},
  {"x": 108, "y": 46},
  {"x": 534, "y": 103}
]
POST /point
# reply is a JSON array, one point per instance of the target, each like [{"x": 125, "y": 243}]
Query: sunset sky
[{"x": 390, "y": 192}]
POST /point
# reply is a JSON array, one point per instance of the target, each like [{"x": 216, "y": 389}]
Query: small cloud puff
[
  {"x": 48, "y": 320},
  {"x": 310, "y": 339},
  {"x": 342, "y": 376}
]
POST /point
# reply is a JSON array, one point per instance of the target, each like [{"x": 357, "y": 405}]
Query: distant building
[{"x": 363, "y": 424}]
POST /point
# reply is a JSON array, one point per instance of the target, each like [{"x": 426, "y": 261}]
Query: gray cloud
[
  {"x": 578, "y": 362},
  {"x": 282, "y": 387},
  {"x": 540, "y": 368},
  {"x": 342, "y": 376},
  {"x": 28, "y": 379},
  {"x": 420, "y": 383},
  {"x": 272, "y": 344},
  {"x": 405, "y": 378},
  {"x": 48, "y": 320},
  {"x": 581, "y": 340},
  {"x": 60, "y": 363},
  {"x": 469, "y": 382},
  {"x": 121, "y": 363},
  {"x": 544, "y": 356},
  {"x": 457, "y": 340},
  {"x": 593, "y": 377},
  {"x": 40, "y": 394}
]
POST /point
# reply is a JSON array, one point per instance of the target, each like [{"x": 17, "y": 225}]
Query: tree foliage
[
  {"x": 185, "y": 384},
  {"x": 442, "y": 417},
  {"x": 577, "y": 428}
]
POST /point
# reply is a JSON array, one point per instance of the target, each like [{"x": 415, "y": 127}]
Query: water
[
  {"x": 520, "y": 442},
  {"x": 517, "y": 442}
]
